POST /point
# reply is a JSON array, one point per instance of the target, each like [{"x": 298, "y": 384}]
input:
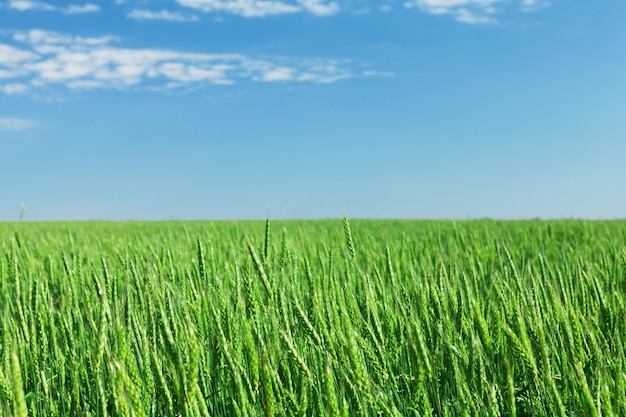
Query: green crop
[{"x": 325, "y": 318}]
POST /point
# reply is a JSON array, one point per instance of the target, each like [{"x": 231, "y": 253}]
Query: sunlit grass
[{"x": 352, "y": 318}]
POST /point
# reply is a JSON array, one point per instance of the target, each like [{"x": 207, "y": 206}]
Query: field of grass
[{"x": 318, "y": 318}]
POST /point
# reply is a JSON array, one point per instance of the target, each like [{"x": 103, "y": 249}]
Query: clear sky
[{"x": 223, "y": 109}]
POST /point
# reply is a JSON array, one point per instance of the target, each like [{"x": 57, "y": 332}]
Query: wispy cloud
[
  {"x": 473, "y": 11},
  {"x": 320, "y": 7},
  {"x": 533, "y": 5},
  {"x": 262, "y": 8},
  {"x": 10, "y": 55},
  {"x": 465, "y": 11},
  {"x": 28, "y": 5},
  {"x": 467, "y": 16},
  {"x": 245, "y": 8},
  {"x": 11, "y": 123},
  {"x": 40, "y": 61},
  {"x": 140, "y": 14},
  {"x": 15, "y": 88},
  {"x": 78, "y": 9}
]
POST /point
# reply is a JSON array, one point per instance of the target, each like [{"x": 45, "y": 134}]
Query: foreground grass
[{"x": 320, "y": 318}]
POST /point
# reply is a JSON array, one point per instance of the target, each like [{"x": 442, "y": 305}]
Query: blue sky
[{"x": 223, "y": 109}]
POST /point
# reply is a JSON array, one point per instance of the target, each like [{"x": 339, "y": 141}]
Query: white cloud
[
  {"x": 466, "y": 16},
  {"x": 370, "y": 73},
  {"x": 42, "y": 37},
  {"x": 45, "y": 61},
  {"x": 278, "y": 74},
  {"x": 246, "y": 8},
  {"x": 79, "y": 9},
  {"x": 28, "y": 5},
  {"x": 464, "y": 10},
  {"x": 140, "y": 14},
  {"x": 443, "y": 6},
  {"x": 15, "y": 88},
  {"x": 533, "y": 5},
  {"x": 319, "y": 7},
  {"x": 11, "y": 123},
  {"x": 261, "y": 8},
  {"x": 25, "y": 5},
  {"x": 473, "y": 11},
  {"x": 85, "y": 84},
  {"x": 11, "y": 56}
]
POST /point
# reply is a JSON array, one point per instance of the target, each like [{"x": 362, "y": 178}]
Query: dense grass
[{"x": 395, "y": 318}]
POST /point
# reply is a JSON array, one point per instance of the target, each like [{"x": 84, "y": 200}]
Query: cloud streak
[
  {"x": 80, "y": 9},
  {"x": 472, "y": 11},
  {"x": 533, "y": 5},
  {"x": 28, "y": 5},
  {"x": 465, "y": 11},
  {"x": 140, "y": 14},
  {"x": 41, "y": 61},
  {"x": 15, "y": 124},
  {"x": 263, "y": 8},
  {"x": 15, "y": 88}
]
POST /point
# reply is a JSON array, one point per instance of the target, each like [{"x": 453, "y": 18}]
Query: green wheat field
[{"x": 313, "y": 318}]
